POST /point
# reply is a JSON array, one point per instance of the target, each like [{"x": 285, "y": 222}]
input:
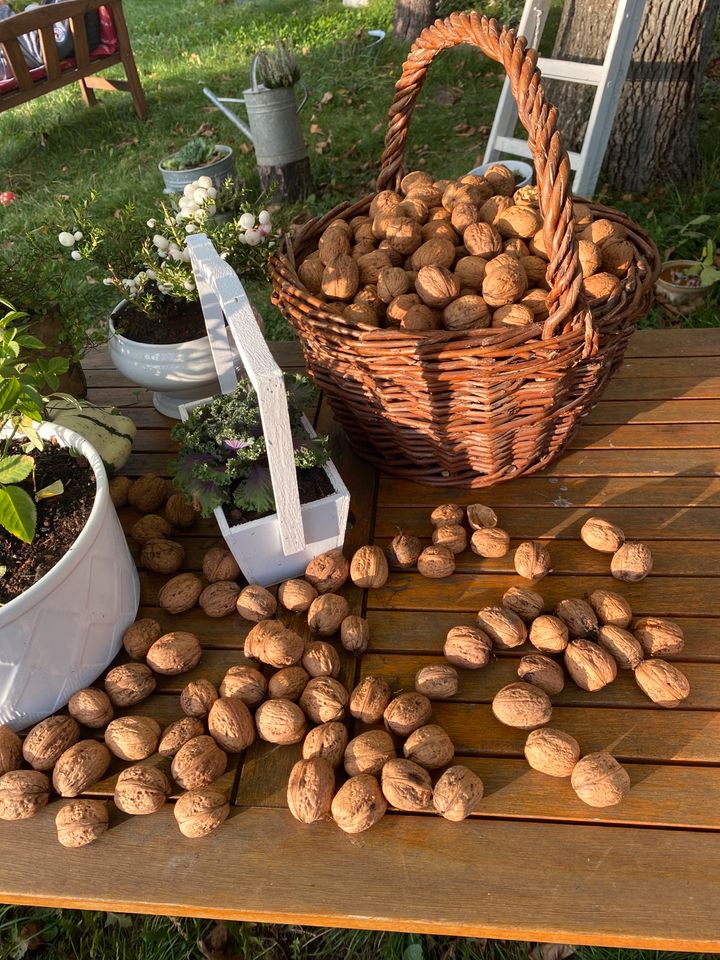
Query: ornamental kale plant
[{"x": 223, "y": 458}]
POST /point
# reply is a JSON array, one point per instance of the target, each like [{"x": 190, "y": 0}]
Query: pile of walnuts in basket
[{"x": 455, "y": 255}]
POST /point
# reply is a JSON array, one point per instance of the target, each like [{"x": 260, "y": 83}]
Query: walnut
[
  {"x": 140, "y": 636},
  {"x": 543, "y": 672},
  {"x": 328, "y": 741},
  {"x": 310, "y": 273},
  {"x": 393, "y": 258},
  {"x": 10, "y": 750},
  {"x": 355, "y": 634},
  {"x": 177, "y": 734},
  {"x": 522, "y": 705},
  {"x": 174, "y": 653},
  {"x": 283, "y": 648},
  {"x": 505, "y": 628},
  {"x": 602, "y": 231},
  {"x": 428, "y": 196},
  {"x": 590, "y": 257},
  {"x": 150, "y": 527},
  {"x": 429, "y": 746},
  {"x": 399, "y": 308},
  {"x": 327, "y": 612},
  {"x": 589, "y": 665},
  {"x": 504, "y": 284},
  {"x": 602, "y": 535},
  {"x": 148, "y": 494},
  {"x": 468, "y": 312},
  {"x": 490, "y": 542},
  {"x": 437, "y": 286},
  {"x": 464, "y": 215},
  {"x": 600, "y": 286},
  {"x": 141, "y": 790},
  {"x": 384, "y": 202},
  {"x": 407, "y": 712},
  {"x": 332, "y": 244},
  {"x": 532, "y": 560},
  {"x": 198, "y": 763},
  {"x": 552, "y": 752},
  {"x": 328, "y": 572},
  {"x": 219, "y": 599},
  {"x": 416, "y": 178},
  {"x": 582, "y": 214},
  {"x": 320, "y": 659},
  {"x": 341, "y": 277},
  {"x": 296, "y": 595},
  {"x": 518, "y": 248},
  {"x": 162, "y": 556},
  {"x": 404, "y": 551},
  {"x": 611, "y": 608},
  {"x": 501, "y": 179},
  {"x": 579, "y": 617},
  {"x": 261, "y": 634},
  {"x": 549, "y": 634},
  {"x": 618, "y": 256},
  {"x": 467, "y": 647},
  {"x": 280, "y": 721},
  {"x": 481, "y": 517},
  {"x": 662, "y": 682},
  {"x": 450, "y": 535},
  {"x": 245, "y": 683},
  {"x": 404, "y": 235},
  {"x": 361, "y": 228},
  {"x": 523, "y": 222},
  {"x": 446, "y": 513},
  {"x": 230, "y": 724},
  {"x": 535, "y": 268},
  {"x": 255, "y": 603},
  {"x": 436, "y": 562},
  {"x": 525, "y": 603},
  {"x": 129, "y": 683},
  {"x": 369, "y": 700},
  {"x": 407, "y": 786},
  {"x": 358, "y": 804},
  {"x": 132, "y": 738},
  {"x": 219, "y": 564},
  {"x": 621, "y": 645},
  {"x": 439, "y": 682},
  {"x": 482, "y": 240},
  {"x": 513, "y": 315},
  {"x": 370, "y": 265},
  {"x": 369, "y": 568},
  {"x": 459, "y": 192},
  {"x": 659, "y": 637},
  {"x": 392, "y": 282},
  {"x": 368, "y": 753},
  {"x": 287, "y": 684},
  {"x": 179, "y": 511},
  {"x": 457, "y": 793},
  {"x": 440, "y": 213},
  {"x": 632, "y": 562},
  {"x": 200, "y": 812},
  {"x": 81, "y": 822},
  {"x": 470, "y": 272},
  {"x": 197, "y": 697},
  {"x": 81, "y": 766},
  {"x": 538, "y": 246},
  {"x": 599, "y": 780},
  {"x": 439, "y": 229},
  {"x": 119, "y": 488},
  {"x": 23, "y": 793},
  {"x": 493, "y": 207},
  {"x": 181, "y": 593},
  {"x": 536, "y": 301},
  {"x": 324, "y": 699},
  {"x": 310, "y": 790},
  {"x": 48, "y": 739},
  {"x": 419, "y": 318}
]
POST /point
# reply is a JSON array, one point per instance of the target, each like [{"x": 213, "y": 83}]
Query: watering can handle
[
  {"x": 222, "y": 297},
  {"x": 305, "y": 96}
]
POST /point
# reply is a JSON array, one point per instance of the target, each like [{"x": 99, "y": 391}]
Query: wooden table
[{"x": 535, "y": 863}]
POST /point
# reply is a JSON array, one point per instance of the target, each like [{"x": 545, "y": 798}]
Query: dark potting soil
[
  {"x": 313, "y": 485},
  {"x": 60, "y": 519},
  {"x": 173, "y": 323}
]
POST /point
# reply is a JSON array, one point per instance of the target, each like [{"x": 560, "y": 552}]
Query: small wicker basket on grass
[{"x": 503, "y": 396}]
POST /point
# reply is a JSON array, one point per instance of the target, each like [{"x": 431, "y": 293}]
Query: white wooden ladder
[{"x": 608, "y": 77}]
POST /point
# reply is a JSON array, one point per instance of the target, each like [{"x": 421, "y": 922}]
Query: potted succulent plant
[
  {"x": 200, "y": 156},
  {"x": 249, "y": 455},
  {"x": 67, "y": 596},
  {"x": 157, "y": 335}
]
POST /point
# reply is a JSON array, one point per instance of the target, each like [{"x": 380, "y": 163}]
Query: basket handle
[
  {"x": 222, "y": 296},
  {"x": 552, "y": 166}
]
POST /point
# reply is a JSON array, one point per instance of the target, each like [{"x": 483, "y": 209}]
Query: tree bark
[
  {"x": 411, "y": 18},
  {"x": 655, "y": 134}
]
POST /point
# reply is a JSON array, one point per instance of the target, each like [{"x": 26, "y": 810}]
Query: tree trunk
[
  {"x": 655, "y": 134},
  {"x": 411, "y": 18}
]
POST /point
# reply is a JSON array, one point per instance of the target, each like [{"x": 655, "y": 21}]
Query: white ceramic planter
[
  {"x": 65, "y": 630},
  {"x": 678, "y": 295},
  {"x": 175, "y": 372}
]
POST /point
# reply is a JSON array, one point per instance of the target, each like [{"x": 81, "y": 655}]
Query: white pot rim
[
  {"x": 54, "y": 577},
  {"x": 226, "y": 150},
  {"x": 150, "y": 346}
]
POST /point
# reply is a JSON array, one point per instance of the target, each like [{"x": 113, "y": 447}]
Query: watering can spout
[{"x": 221, "y": 104}]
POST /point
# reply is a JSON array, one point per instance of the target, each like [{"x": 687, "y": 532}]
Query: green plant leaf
[
  {"x": 9, "y": 392},
  {"x": 34, "y": 440},
  {"x": 17, "y": 513},
  {"x": 413, "y": 952},
  {"x": 51, "y": 490},
  {"x": 15, "y": 467},
  {"x": 709, "y": 275}
]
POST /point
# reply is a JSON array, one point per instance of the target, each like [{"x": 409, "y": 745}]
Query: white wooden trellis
[{"x": 608, "y": 77}]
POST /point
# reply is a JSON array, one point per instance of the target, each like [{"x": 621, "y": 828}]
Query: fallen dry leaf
[
  {"x": 204, "y": 130},
  {"x": 325, "y": 98},
  {"x": 446, "y": 97},
  {"x": 551, "y": 951},
  {"x": 316, "y": 129}
]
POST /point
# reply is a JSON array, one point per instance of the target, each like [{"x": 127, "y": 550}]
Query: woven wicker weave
[{"x": 471, "y": 408}]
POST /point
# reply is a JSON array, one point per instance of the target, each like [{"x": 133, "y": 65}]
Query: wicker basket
[{"x": 471, "y": 408}]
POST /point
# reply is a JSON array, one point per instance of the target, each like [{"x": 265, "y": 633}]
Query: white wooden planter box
[{"x": 279, "y": 546}]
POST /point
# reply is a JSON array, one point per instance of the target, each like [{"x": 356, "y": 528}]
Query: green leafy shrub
[{"x": 223, "y": 457}]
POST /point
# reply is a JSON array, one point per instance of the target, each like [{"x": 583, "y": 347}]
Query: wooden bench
[
  {"x": 85, "y": 63},
  {"x": 534, "y": 863}
]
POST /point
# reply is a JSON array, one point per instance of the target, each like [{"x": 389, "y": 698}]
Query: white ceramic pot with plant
[
  {"x": 63, "y": 631},
  {"x": 278, "y": 546}
]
